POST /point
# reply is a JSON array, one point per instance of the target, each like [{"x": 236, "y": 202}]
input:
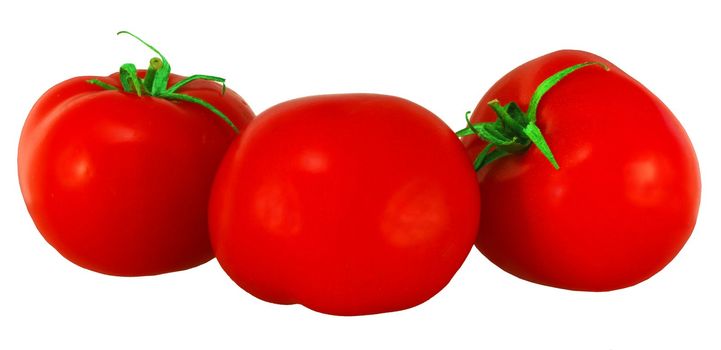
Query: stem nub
[
  {"x": 514, "y": 130},
  {"x": 155, "y": 64},
  {"x": 156, "y": 80}
]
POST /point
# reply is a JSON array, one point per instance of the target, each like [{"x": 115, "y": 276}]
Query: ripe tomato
[
  {"x": 625, "y": 198},
  {"x": 348, "y": 204},
  {"x": 119, "y": 183}
]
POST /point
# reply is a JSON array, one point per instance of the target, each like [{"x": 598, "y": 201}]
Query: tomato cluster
[{"x": 356, "y": 204}]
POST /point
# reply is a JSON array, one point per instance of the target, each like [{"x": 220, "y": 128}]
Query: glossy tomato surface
[
  {"x": 119, "y": 183},
  {"x": 348, "y": 204},
  {"x": 625, "y": 199}
]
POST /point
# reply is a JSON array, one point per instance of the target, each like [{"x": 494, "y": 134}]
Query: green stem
[
  {"x": 469, "y": 129},
  {"x": 505, "y": 117},
  {"x": 181, "y": 83},
  {"x": 156, "y": 81},
  {"x": 155, "y": 64},
  {"x": 162, "y": 75},
  {"x": 514, "y": 130},
  {"x": 533, "y": 133},
  {"x": 130, "y": 80},
  {"x": 551, "y": 82},
  {"x": 207, "y": 105},
  {"x": 102, "y": 84}
]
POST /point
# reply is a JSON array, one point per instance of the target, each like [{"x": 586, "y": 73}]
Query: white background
[{"x": 443, "y": 56}]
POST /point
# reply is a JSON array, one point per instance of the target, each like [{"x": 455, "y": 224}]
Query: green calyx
[
  {"x": 515, "y": 130},
  {"x": 155, "y": 82}
]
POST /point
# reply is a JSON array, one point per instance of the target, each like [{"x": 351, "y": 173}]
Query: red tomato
[
  {"x": 625, "y": 198},
  {"x": 118, "y": 183},
  {"x": 348, "y": 204}
]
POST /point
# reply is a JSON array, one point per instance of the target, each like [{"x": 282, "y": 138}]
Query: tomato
[
  {"x": 625, "y": 198},
  {"x": 348, "y": 204},
  {"x": 119, "y": 183}
]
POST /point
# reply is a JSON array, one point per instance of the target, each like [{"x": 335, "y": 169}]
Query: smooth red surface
[
  {"x": 625, "y": 199},
  {"x": 348, "y": 204},
  {"x": 118, "y": 183}
]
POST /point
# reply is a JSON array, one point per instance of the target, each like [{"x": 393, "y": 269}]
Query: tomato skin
[
  {"x": 118, "y": 183},
  {"x": 625, "y": 199},
  {"x": 348, "y": 204}
]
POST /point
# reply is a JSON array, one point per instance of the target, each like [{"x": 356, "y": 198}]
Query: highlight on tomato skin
[
  {"x": 625, "y": 198},
  {"x": 116, "y": 171},
  {"x": 348, "y": 204}
]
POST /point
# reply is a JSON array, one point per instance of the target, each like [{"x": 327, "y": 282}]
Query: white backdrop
[{"x": 442, "y": 56}]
